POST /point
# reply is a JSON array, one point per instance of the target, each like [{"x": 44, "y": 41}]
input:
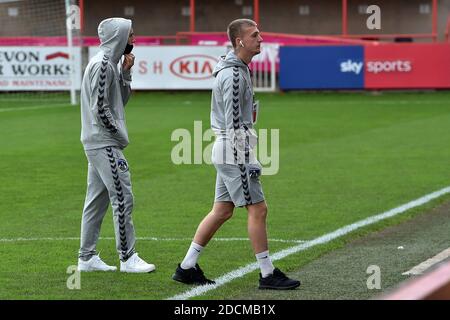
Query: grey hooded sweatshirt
[
  {"x": 231, "y": 113},
  {"x": 105, "y": 90}
]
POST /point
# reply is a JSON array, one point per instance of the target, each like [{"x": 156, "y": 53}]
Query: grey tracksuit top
[
  {"x": 105, "y": 90},
  {"x": 231, "y": 112}
]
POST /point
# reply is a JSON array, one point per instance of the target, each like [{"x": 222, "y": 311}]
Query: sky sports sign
[{"x": 388, "y": 66}]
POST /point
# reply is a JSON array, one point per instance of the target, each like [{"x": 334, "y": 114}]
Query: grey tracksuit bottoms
[{"x": 108, "y": 182}]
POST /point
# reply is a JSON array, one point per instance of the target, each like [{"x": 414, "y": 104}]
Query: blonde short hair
[{"x": 235, "y": 27}]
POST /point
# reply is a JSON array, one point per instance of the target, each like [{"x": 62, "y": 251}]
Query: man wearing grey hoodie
[
  {"x": 104, "y": 93},
  {"x": 237, "y": 184}
]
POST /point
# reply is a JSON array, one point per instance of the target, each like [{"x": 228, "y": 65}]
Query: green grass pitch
[{"x": 343, "y": 157}]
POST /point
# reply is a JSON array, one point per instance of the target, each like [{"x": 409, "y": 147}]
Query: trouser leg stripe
[
  {"x": 121, "y": 203},
  {"x": 236, "y": 126}
]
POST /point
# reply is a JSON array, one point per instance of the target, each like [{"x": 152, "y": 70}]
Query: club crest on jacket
[{"x": 123, "y": 165}]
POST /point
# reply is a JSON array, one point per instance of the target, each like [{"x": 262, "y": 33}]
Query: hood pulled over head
[{"x": 113, "y": 34}]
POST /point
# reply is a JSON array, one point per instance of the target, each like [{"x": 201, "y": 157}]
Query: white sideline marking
[
  {"x": 386, "y": 102},
  {"x": 139, "y": 238},
  {"x": 237, "y": 273},
  {"x": 420, "y": 268},
  {"x": 33, "y": 108}
]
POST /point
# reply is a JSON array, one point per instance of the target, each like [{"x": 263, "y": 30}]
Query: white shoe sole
[
  {"x": 147, "y": 270},
  {"x": 92, "y": 269}
]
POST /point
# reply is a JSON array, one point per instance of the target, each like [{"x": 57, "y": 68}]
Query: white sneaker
[
  {"x": 94, "y": 264},
  {"x": 134, "y": 264}
]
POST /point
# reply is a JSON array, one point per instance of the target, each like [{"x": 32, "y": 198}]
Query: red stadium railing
[
  {"x": 86, "y": 41},
  {"x": 393, "y": 36},
  {"x": 221, "y": 38}
]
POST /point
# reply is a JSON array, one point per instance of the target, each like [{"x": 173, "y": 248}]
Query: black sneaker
[
  {"x": 191, "y": 276},
  {"x": 277, "y": 281}
]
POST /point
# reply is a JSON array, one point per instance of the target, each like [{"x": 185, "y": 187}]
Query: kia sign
[
  {"x": 193, "y": 67},
  {"x": 322, "y": 67},
  {"x": 37, "y": 68},
  {"x": 407, "y": 66},
  {"x": 173, "y": 67}
]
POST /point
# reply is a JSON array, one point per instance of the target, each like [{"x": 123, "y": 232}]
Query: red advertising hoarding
[{"x": 408, "y": 66}]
